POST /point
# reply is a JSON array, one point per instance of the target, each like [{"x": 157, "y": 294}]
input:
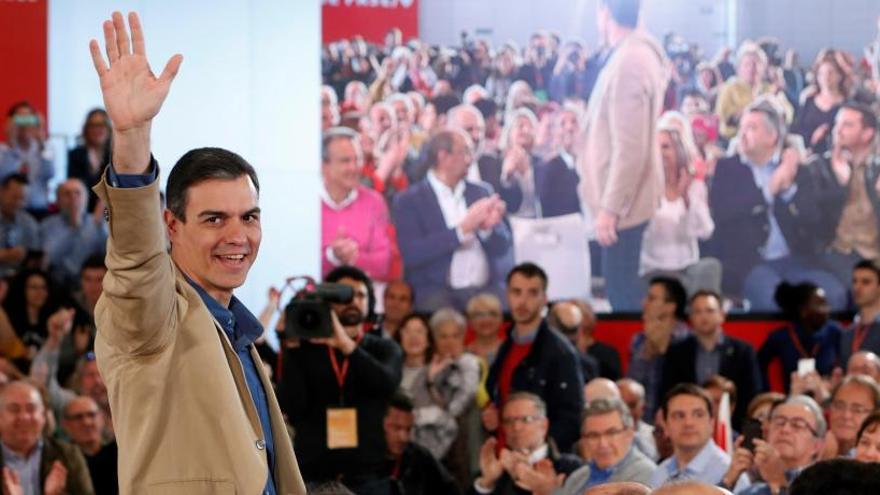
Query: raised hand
[
  {"x": 132, "y": 94},
  {"x": 56, "y": 481},
  {"x": 490, "y": 466},
  {"x": 11, "y": 482}
]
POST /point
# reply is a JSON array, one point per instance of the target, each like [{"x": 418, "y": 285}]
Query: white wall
[
  {"x": 441, "y": 21},
  {"x": 249, "y": 82},
  {"x": 806, "y": 25}
]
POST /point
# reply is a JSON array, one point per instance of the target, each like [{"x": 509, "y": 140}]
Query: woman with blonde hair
[{"x": 671, "y": 241}]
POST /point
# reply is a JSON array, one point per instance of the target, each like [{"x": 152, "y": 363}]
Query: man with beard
[
  {"x": 536, "y": 359},
  {"x": 335, "y": 391}
]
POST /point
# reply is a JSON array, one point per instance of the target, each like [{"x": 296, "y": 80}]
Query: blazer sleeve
[
  {"x": 138, "y": 311},
  {"x": 417, "y": 247},
  {"x": 79, "y": 481},
  {"x": 631, "y": 108},
  {"x": 568, "y": 402}
]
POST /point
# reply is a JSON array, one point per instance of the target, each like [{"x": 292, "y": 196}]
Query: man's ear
[{"x": 172, "y": 223}]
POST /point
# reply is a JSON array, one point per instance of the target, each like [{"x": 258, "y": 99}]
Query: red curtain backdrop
[
  {"x": 368, "y": 18},
  {"x": 23, "y": 65}
]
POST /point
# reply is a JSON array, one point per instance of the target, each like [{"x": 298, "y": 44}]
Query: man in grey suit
[
  {"x": 607, "y": 434},
  {"x": 621, "y": 173}
]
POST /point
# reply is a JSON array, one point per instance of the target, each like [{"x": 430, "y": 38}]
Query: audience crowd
[{"x": 451, "y": 370}]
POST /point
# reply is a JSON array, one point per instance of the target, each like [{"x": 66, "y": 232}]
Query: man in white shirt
[{"x": 450, "y": 231}]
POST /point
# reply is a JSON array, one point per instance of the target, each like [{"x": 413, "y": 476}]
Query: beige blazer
[
  {"x": 620, "y": 165},
  {"x": 183, "y": 415}
]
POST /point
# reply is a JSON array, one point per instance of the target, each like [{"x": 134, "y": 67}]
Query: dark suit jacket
[
  {"x": 78, "y": 480},
  {"x": 558, "y": 189},
  {"x": 490, "y": 165},
  {"x": 308, "y": 388},
  {"x": 562, "y": 464},
  {"x": 821, "y": 198},
  {"x": 551, "y": 371},
  {"x": 427, "y": 245},
  {"x": 742, "y": 224},
  {"x": 421, "y": 473},
  {"x": 78, "y": 167},
  {"x": 739, "y": 364}
]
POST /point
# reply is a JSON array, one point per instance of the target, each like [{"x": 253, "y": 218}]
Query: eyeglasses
[
  {"x": 856, "y": 409},
  {"x": 81, "y": 416},
  {"x": 524, "y": 420},
  {"x": 594, "y": 436},
  {"x": 797, "y": 424}
]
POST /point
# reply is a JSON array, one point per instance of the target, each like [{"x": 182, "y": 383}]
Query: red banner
[
  {"x": 23, "y": 43},
  {"x": 372, "y": 19}
]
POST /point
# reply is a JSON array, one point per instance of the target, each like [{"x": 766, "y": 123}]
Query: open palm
[{"x": 133, "y": 95}]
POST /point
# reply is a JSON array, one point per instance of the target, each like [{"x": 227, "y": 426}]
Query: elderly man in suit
[
  {"x": 607, "y": 433},
  {"x": 620, "y": 162},
  {"x": 193, "y": 409},
  {"x": 450, "y": 231}
]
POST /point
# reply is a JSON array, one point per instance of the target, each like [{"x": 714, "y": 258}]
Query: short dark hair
[
  {"x": 444, "y": 103},
  {"x": 21, "y": 179},
  {"x": 707, "y": 293},
  {"x": 675, "y": 293},
  {"x": 868, "y": 265},
  {"x": 18, "y": 105},
  {"x": 199, "y": 165},
  {"x": 686, "y": 389},
  {"x": 529, "y": 270},
  {"x": 400, "y": 401},
  {"x": 792, "y": 297},
  {"x": 355, "y": 273},
  {"x": 869, "y": 118},
  {"x": 441, "y": 141},
  {"x": 870, "y": 425},
  {"x": 487, "y": 107},
  {"x": 624, "y": 12},
  {"x": 95, "y": 261},
  {"x": 429, "y": 350}
]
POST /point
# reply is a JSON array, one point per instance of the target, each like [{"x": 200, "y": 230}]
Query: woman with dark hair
[
  {"x": 414, "y": 338},
  {"x": 832, "y": 80},
  {"x": 868, "y": 439},
  {"x": 87, "y": 161},
  {"x": 809, "y": 334},
  {"x": 29, "y": 304}
]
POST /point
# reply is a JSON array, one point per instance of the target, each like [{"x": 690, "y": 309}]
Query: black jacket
[
  {"x": 552, "y": 371},
  {"x": 822, "y": 198},
  {"x": 78, "y": 167},
  {"x": 742, "y": 224},
  {"x": 557, "y": 189},
  {"x": 421, "y": 474},
  {"x": 739, "y": 364},
  {"x": 308, "y": 388}
]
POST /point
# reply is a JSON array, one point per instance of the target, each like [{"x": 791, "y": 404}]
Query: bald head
[
  {"x": 601, "y": 388},
  {"x": 864, "y": 363},
  {"x": 566, "y": 317},
  {"x": 619, "y": 488},
  {"x": 690, "y": 488},
  {"x": 588, "y": 317}
]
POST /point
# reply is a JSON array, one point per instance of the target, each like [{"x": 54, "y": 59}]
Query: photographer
[{"x": 341, "y": 385}]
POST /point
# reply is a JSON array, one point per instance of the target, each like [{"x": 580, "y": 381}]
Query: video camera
[{"x": 308, "y": 316}]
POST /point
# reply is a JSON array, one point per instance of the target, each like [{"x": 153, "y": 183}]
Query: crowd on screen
[{"x": 461, "y": 374}]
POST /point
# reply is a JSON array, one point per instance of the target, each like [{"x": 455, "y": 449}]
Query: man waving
[{"x": 193, "y": 410}]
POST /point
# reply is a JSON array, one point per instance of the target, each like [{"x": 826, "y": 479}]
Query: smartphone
[
  {"x": 751, "y": 430},
  {"x": 806, "y": 366}
]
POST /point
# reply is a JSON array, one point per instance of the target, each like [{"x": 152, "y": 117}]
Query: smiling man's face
[{"x": 217, "y": 242}]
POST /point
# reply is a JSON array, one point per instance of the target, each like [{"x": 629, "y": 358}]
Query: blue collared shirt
[
  {"x": 708, "y": 466},
  {"x": 67, "y": 247},
  {"x": 28, "y": 468},
  {"x": 776, "y": 246},
  {"x": 239, "y": 324},
  {"x": 649, "y": 372},
  {"x": 599, "y": 475},
  {"x": 708, "y": 362}
]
